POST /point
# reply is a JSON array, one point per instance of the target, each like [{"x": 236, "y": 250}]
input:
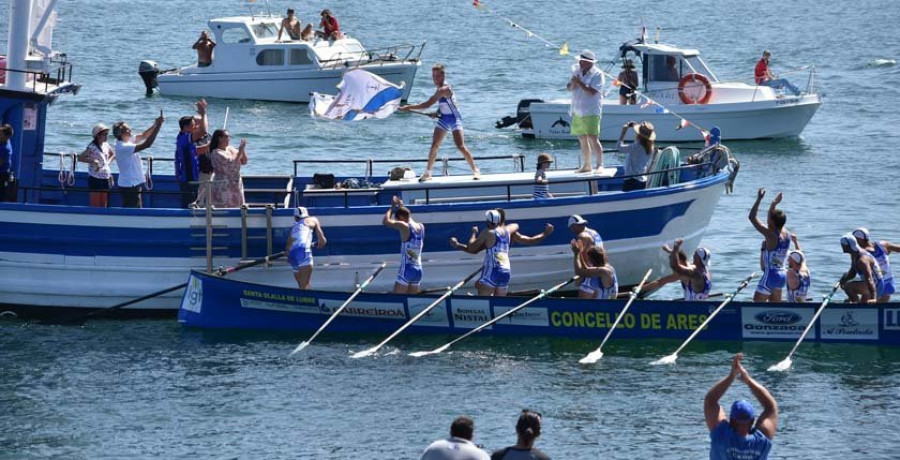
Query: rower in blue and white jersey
[
  {"x": 598, "y": 275},
  {"x": 881, "y": 251},
  {"x": 412, "y": 239},
  {"x": 588, "y": 236},
  {"x": 798, "y": 279},
  {"x": 300, "y": 244},
  {"x": 696, "y": 280},
  {"x": 495, "y": 240},
  {"x": 773, "y": 251},
  {"x": 864, "y": 281}
]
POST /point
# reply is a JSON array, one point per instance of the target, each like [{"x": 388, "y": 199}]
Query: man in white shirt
[
  {"x": 131, "y": 170},
  {"x": 458, "y": 446},
  {"x": 586, "y": 86}
]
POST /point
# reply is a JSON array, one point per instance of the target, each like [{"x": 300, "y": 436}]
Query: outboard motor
[
  {"x": 522, "y": 118},
  {"x": 148, "y": 70}
]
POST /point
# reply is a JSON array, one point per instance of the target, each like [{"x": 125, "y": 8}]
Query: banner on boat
[
  {"x": 360, "y": 95},
  {"x": 774, "y": 323}
]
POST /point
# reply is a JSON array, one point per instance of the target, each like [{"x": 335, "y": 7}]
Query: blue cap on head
[
  {"x": 742, "y": 410},
  {"x": 715, "y": 135}
]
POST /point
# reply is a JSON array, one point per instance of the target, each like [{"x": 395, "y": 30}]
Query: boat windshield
[
  {"x": 265, "y": 30},
  {"x": 698, "y": 66}
]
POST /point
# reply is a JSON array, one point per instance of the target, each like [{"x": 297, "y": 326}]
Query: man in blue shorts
[
  {"x": 737, "y": 437},
  {"x": 412, "y": 238},
  {"x": 586, "y": 85},
  {"x": 773, "y": 251},
  {"x": 300, "y": 244}
]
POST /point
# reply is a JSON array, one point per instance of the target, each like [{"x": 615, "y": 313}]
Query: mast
[{"x": 19, "y": 25}]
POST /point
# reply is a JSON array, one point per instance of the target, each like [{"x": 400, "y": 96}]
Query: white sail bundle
[{"x": 360, "y": 95}]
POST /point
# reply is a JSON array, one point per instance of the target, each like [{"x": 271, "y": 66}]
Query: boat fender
[
  {"x": 149, "y": 70},
  {"x": 690, "y": 78}
]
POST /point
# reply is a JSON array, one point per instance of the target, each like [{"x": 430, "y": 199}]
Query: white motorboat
[
  {"x": 679, "y": 81},
  {"x": 250, "y": 63}
]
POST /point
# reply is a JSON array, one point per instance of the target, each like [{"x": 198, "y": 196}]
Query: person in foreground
[
  {"x": 300, "y": 243},
  {"x": 773, "y": 251},
  {"x": 586, "y": 85},
  {"x": 880, "y": 250},
  {"x": 448, "y": 121},
  {"x": 495, "y": 241},
  {"x": 412, "y": 238},
  {"x": 458, "y": 446},
  {"x": 740, "y": 436},
  {"x": 528, "y": 429},
  {"x": 863, "y": 282}
]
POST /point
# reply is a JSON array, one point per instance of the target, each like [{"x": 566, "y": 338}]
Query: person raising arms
[
  {"x": 599, "y": 276},
  {"x": 773, "y": 251},
  {"x": 412, "y": 238},
  {"x": 797, "y": 280}
]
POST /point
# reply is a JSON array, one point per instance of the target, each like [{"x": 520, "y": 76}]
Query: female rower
[
  {"x": 880, "y": 250},
  {"x": 798, "y": 279},
  {"x": 599, "y": 276},
  {"x": 300, "y": 243},
  {"x": 864, "y": 282}
]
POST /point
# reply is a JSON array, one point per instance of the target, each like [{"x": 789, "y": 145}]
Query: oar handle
[
  {"x": 260, "y": 261},
  {"x": 634, "y": 294},
  {"x": 369, "y": 279},
  {"x": 812, "y": 321}
]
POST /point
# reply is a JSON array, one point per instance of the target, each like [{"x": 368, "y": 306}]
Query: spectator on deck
[
  {"x": 458, "y": 446},
  {"x": 331, "y": 30},
  {"x": 528, "y": 429},
  {"x": 763, "y": 76},
  {"x": 99, "y": 155},
  {"x": 6, "y": 158},
  {"x": 228, "y": 188},
  {"x": 541, "y": 184},
  {"x": 737, "y": 436},
  {"x": 639, "y": 153},
  {"x": 189, "y": 144},
  {"x": 131, "y": 169},
  {"x": 292, "y": 25},
  {"x": 204, "y": 46}
]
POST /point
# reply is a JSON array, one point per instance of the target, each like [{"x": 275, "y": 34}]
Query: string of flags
[{"x": 564, "y": 51}]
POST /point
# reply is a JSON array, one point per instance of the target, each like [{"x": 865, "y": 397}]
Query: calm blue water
[{"x": 150, "y": 389}]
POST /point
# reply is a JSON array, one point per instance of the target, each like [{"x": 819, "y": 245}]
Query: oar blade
[
  {"x": 592, "y": 357},
  {"x": 665, "y": 360},
  {"x": 299, "y": 348},
  {"x": 365, "y": 353},
  {"x": 436, "y": 351},
  {"x": 781, "y": 366}
]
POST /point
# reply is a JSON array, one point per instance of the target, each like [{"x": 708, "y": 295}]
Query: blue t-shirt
[
  {"x": 186, "y": 166},
  {"x": 6, "y": 157},
  {"x": 725, "y": 444}
]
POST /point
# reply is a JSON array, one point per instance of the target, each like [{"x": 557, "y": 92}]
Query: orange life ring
[{"x": 692, "y": 77}]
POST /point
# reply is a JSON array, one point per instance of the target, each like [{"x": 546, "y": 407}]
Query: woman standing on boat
[
  {"x": 412, "y": 238},
  {"x": 639, "y": 153},
  {"x": 99, "y": 155},
  {"x": 495, "y": 241},
  {"x": 300, "y": 243},
  {"x": 228, "y": 188},
  {"x": 448, "y": 121},
  {"x": 599, "y": 276}
]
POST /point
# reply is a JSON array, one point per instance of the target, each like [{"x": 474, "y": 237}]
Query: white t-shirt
[
  {"x": 454, "y": 449},
  {"x": 131, "y": 169},
  {"x": 584, "y": 104}
]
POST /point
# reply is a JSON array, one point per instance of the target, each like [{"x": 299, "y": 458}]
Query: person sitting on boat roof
[
  {"x": 292, "y": 25},
  {"x": 628, "y": 83},
  {"x": 864, "y": 281},
  {"x": 448, "y": 118},
  {"x": 495, "y": 241},
  {"x": 528, "y": 429},
  {"x": 880, "y": 250},
  {"x": 798, "y": 279},
  {"x": 638, "y": 154},
  {"x": 541, "y": 184},
  {"x": 586, "y": 85},
  {"x": 598, "y": 275},
  {"x": 300, "y": 244},
  {"x": 763, "y": 76},
  {"x": 204, "y": 46},
  {"x": 458, "y": 446},
  {"x": 99, "y": 155},
  {"x": 696, "y": 280},
  {"x": 188, "y": 145},
  {"x": 331, "y": 30},
  {"x": 128, "y": 158},
  {"x": 6, "y": 158},
  {"x": 412, "y": 238},
  {"x": 737, "y": 436},
  {"x": 773, "y": 250},
  {"x": 228, "y": 188}
]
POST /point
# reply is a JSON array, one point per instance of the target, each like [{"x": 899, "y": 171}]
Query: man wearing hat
[
  {"x": 737, "y": 437},
  {"x": 880, "y": 250},
  {"x": 588, "y": 236},
  {"x": 628, "y": 83},
  {"x": 541, "y": 184},
  {"x": 495, "y": 240},
  {"x": 864, "y": 282},
  {"x": 586, "y": 86},
  {"x": 695, "y": 278},
  {"x": 300, "y": 243}
]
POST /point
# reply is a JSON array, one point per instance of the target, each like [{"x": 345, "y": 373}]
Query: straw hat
[
  {"x": 98, "y": 128},
  {"x": 544, "y": 158},
  {"x": 645, "y": 129}
]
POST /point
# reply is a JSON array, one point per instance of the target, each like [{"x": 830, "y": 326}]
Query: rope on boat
[
  {"x": 66, "y": 176},
  {"x": 148, "y": 176}
]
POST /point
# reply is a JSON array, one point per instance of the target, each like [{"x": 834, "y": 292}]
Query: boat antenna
[
  {"x": 658, "y": 30},
  {"x": 268, "y": 8}
]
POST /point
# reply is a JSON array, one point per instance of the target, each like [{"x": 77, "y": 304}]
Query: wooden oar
[
  {"x": 359, "y": 288},
  {"x": 785, "y": 363},
  {"x": 496, "y": 319},
  {"x": 450, "y": 291},
  {"x": 670, "y": 359},
  {"x": 81, "y": 318},
  {"x": 595, "y": 355}
]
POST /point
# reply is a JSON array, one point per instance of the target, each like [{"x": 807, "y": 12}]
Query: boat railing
[
  {"x": 404, "y": 52},
  {"x": 61, "y": 75},
  {"x": 518, "y": 160},
  {"x": 592, "y": 181}
]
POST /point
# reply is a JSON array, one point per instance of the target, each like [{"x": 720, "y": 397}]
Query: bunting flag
[
  {"x": 360, "y": 95},
  {"x": 478, "y": 5},
  {"x": 564, "y": 49},
  {"x": 682, "y": 123},
  {"x": 646, "y": 104}
]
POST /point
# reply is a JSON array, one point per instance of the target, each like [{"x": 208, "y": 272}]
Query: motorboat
[
  {"x": 250, "y": 63},
  {"x": 674, "y": 84}
]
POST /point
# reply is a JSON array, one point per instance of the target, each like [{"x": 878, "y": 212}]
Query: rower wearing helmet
[
  {"x": 864, "y": 282},
  {"x": 880, "y": 250},
  {"x": 300, "y": 243},
  {"x": 773, "y": 251},
  {"x": 593, "y": 267},
  {"x": 696, "y": 279},
  {"x": 495, "y": 240},
  {"x": 412, "y": 237}
]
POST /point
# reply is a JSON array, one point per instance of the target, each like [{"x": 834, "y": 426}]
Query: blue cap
[
  {"x": 742, "y": 410},
  {"x": 715, "y": 135}
]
